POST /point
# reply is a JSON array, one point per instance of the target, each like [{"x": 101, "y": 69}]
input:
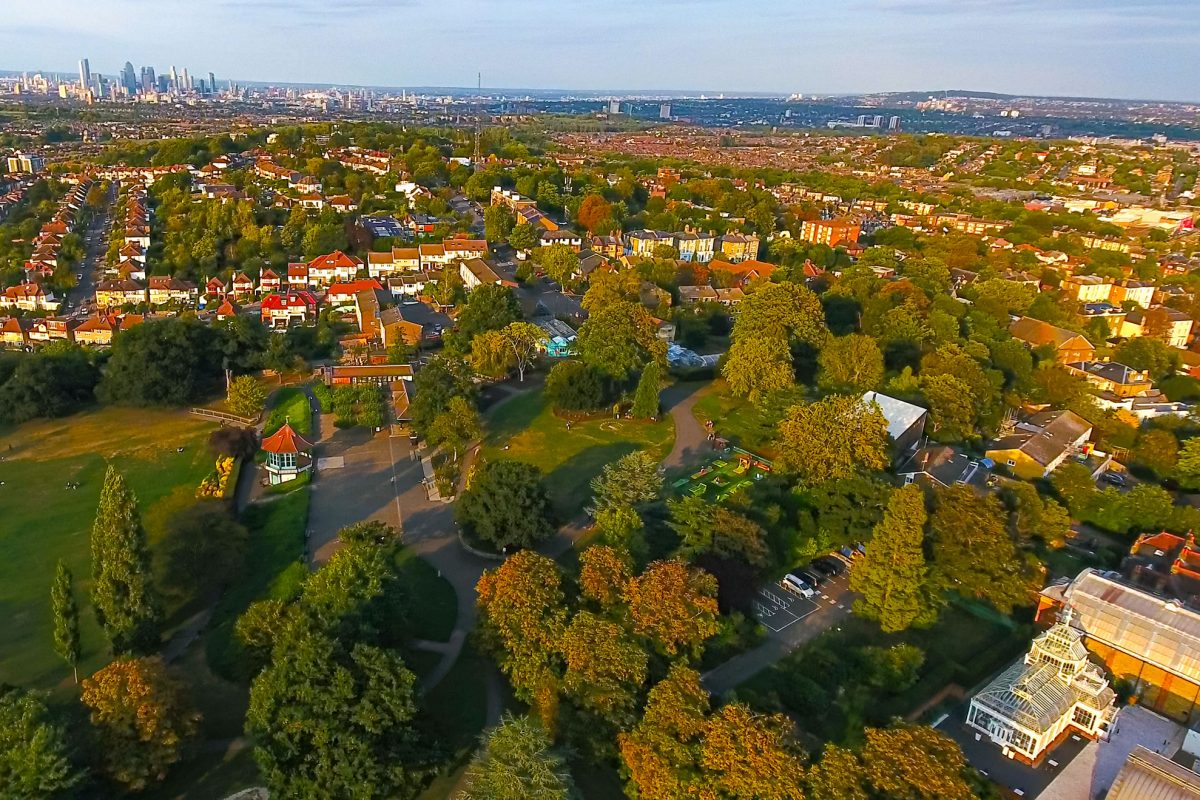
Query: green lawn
[
  {"x": 435, "y": 606},
  {"x": 42, "y": 521},
  {"x": 736, "y": 419},
  {"x": 569, "y": 459},
  {"x": 289, "y": 404}
]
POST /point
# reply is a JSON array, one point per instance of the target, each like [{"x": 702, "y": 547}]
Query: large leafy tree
[
  {"x": 852, "y": 364},
  {"x": 758, "y": 365},
  {"x": 891, "y": 578},
  {"x": 782, "y": 310},
  {"x": 560, "y": 263},
  {"x": 456, "y": 427},
  {"x": 435, "y": 385},
  {"x": 246, "y": 396},
  {"x": 674, "y": 606},
  {"x": 142, "y": 719},
  {"x": 518, "y": 762},
  {"x": 123, "y": 595},
  {"x": 524, "y": 614},
  {"x": 645, "y": 399},
  {"x": 66, "y": 618},
  {"x": 605, "y": 666},
  {"x": 832, "y": 438},
  {"x": 574, "y": 386},
  {"x": 661, "y": 752},
  {"x": 506, "y": 505},
  {"x": 603, "y": 573},
  {"x": 912, "y": 762},
  {"x": 631, "y": 480},
  {"x": 752, "y": 756},
  {"x": 50, "y": 383},
  {"x": 620, "y": 339},
  {"x": 34, "y": 759},
  {"x": 488, "y": 308},
  {"x": 165, "y": 362},
  {"x": 973, "y": 553}
]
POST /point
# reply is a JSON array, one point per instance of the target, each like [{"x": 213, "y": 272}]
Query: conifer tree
[
  {"x": 122, "y": 595},
  {"x": 891, "y": 578},
  {"x": 645, "y": 400},
  {"x": 66, "y": 618}
]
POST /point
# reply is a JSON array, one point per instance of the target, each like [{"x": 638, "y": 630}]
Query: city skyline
[{"x": 1069, "y": 48}]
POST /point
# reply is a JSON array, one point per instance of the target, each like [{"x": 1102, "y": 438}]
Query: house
[
  {"x": 398, "y": 259},
  {"x": 52, "y": 329},
  {"x": 242, "y": 285},
  {"x": 313, "y": 201},
  {"x": 731, "y": 296},
  {"x": 411, "y": 322},
  {"x": 215, "y": 288},
  {"x": 331, "y": 267},
  {"x": 227, "y": 310},
  {"x": 743, "y": 272},
  {"x": 476, "y": 272},
  {"x": 566, "y": 238},
  {"x": 691, "y": 295},
  {"x": 166, "y": 289},
  {"x": 1112, "y": 378},
  {"x": 1087, "y": 288},
  {"x": 421, "y": 224},
  {"x": 1174, "y": 327},
  {"x": 738, "y": 247},
  {"x": 378, "y": 374},
  {"x": 905, "y": 421},
  {"x": 297, "y": 276},
  {"x": 607, "y": 246},
  {"x": 1068, "y": 346},
  {"x": 378, "y": 227},
  {"x": 942, "y": 465},
  {"x": 343, "y": 294},
  {"x": 695, "y": 246},
  {"x": 432, "y": 255},
  {"x": 1130, "y": 291},
  {"x": 1029, "y": 707},
  {"x": 268, "y": 281},
  {"x": 98, "y": 330},
  {"x": 28, "y": 297},
  {"x": 295, "y": 307},
  {"x": 289, "y": 455},
  {"x": 118, "y": 293},
  {"x": 342, "y": 203},
  {"x": 14, "y": 331},
  {"x": 1042, "y": 442},
  {"x": 461, "y": 248}
]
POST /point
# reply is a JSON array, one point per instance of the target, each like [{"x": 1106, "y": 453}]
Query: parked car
[
  {"x": 829, "y": 565},
  {"x": 1114, "y": 478},
  {"x": 810, "y": 576},
  {"x": 795, "y": 584}
]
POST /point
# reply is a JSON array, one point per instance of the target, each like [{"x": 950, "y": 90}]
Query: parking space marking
[{"x": 777, "y": 609}]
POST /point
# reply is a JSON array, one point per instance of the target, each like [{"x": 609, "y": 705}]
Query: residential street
[{"x": 95, "y": 244}]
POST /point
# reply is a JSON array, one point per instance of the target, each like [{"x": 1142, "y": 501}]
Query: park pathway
[{"x": 691, "y": 439}]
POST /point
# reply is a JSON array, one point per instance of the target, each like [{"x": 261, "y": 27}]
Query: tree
[
  {"x": 831, "y": 438},
  {"x": 751, "y": 756},
  {"x": 605, "y": 667},
  {"x": 246, "y": 397},
  {"x": 334, "y": 719},
  {"x": 911, "y": 762},
  {"x": 951, "y": 409},
  {"x": 122, "y": 594},
  {"x": 524, "y": 237},
  {"x": 622, "y": 528},
  {"x": 891, "y": 577},
  {"x": 34, "y": 760},
  {"x": 603, "y": 573},
  {"x": 498, "y": 223},
  {"x": 645, "y": 399},
  {"x": 456, "y": 427},
  {"x": 434, "y": 386},
  {"x": 141, "y": 717},
  {"x": 619, "y": 339},
  {"x": 524, "y": 614},
  {"x": 973, "y": 554},
  {"x": 629, "y": 481},
  {"x": 517, "y": 762},
  {"x": 782, "y": 310},
  {"x": 610, "y": 286},
  {"x": 1146, "y": 353},
  {"x": 758, "y": 365},
  {"x": 66, "y": 618},
  {"x": 490, "y": 307},
  {"x": 574, "y": 386},
  {"x": 506, "y": 505},
  {"x": 837, "y": 776},
  {"x": 204, "y": 549},
  {"x": 56, "y": 380},
  {"x": 166, "y": 362},
  {"x": 560, "y": 263},
  {"x": 705, "y": 528},
  {"x": 593, "y": 212},
  {"x": 1158, "y": 451},
  {"x": 850, "y": 364},
  {"x": 1187, "y": 469},
  {"x": 674, "y": 606},
  {"x": 662, "y": 751},
  {"x": 526, "y": 341}
]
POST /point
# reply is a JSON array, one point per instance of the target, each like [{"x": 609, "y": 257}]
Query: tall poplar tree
[
  {"x": 66, "y": 618},
  {"x": 122, "y": 595},
  {"x": 891, "y": 577}
]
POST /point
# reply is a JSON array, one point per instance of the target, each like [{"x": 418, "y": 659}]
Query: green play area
[{"x": 727, "y": 472}]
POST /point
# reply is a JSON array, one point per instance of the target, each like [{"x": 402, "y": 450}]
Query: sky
[{"x": 1100, "y": 48}]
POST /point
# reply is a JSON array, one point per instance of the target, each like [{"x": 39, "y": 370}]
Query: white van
[{"x": 797, "y": 586}]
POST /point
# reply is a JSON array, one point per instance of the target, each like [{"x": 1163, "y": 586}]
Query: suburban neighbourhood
[{"x": 363, "y": 445}]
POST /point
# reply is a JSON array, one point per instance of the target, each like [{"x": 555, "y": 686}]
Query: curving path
[{"x": 691, "y": 439}]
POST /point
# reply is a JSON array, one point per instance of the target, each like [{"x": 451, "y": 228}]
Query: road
[{"x": 95, "y": 239}]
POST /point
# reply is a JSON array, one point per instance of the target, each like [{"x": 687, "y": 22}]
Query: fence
[{"x": 223, "y": 416}]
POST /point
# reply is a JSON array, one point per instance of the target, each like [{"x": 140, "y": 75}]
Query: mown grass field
[
  {"x": 42, "y": 521},
  {"x": 736, "y": 419},
  {"x": 289, "y": 404},
  {"x": 569, "y": 459}
]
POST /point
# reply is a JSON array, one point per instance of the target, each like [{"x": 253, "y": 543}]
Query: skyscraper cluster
[{"x": 130, "y": 82}]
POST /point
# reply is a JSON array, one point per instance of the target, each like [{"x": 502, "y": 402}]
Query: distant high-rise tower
[
  {"x": 894, "y": 124},
  {"x": 664, "y": 111},
  {"x": 149, "y": 82},
  {"x": 85, "y": 75},
  {"x": 185, "y": 84},
  {"x": 174, "y": 78},
  {"x": 212, "y": 83},
  {"x": 614, "y": 106},
  {"x": 129, "y": 78}
]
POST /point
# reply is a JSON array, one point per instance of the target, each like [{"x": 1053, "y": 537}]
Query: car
[
  {"x": 811, "y": 577},
  {"x": 829, "y": 565},
  {"x": 1114, "y": 478},
  {"x": 78, "y": 276},
  {"x": 797, "y": 586}
]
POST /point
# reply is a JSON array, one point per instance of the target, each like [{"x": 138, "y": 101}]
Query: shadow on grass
[
  {"x": 510, "y": 417},
  {"x": 568, "y": 483}
]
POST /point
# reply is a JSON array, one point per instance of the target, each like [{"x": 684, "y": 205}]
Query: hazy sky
[{"x": 1109, "y": 48}]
